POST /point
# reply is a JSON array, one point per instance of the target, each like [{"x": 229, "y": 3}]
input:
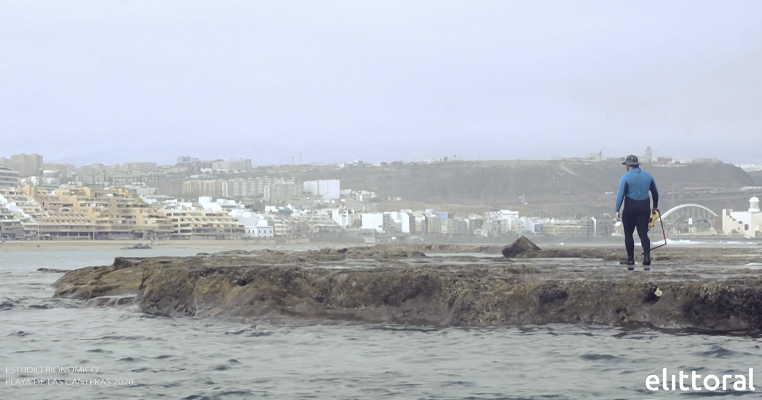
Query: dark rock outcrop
[
  {"x": 53, "y": 270},
  {"x": 399, "y": 285},
  {"x": 518, "y": 247},
  {"x": 138, "y": 246}
]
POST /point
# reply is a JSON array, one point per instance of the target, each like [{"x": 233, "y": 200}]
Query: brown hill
[
  {"x": 757, "y": 176},
  {"x": 552, "y": 188}
]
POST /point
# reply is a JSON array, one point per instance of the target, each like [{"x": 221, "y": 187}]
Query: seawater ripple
[{"x": 191, "y": 358}]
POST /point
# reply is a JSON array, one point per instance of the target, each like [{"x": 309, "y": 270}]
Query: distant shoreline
[{"x": 37, "y": 245}]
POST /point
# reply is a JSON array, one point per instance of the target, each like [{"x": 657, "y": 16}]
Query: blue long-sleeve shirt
[{"x": 636, "y": 184}]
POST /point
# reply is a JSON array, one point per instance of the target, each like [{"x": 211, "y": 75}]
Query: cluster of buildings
[
  {"x": 81, "y": 212},
  {"x": 194, "y": 165},
  {"x": 29, "y": 212},
  {"x": 647, "y": 157},
  {"x": 264, "y": 187},
  {"x": 45, "y": 201},
  {"x": 32, "y": 169},
  {"x": 33, "y": 212},
  {"x": 433, "y": 222}
]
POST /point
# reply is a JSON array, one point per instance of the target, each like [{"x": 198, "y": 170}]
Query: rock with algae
[{"x": 403, "y": 284}]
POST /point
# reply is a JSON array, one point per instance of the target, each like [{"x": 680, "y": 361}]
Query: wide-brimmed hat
[{"x": 631, "y": 160}]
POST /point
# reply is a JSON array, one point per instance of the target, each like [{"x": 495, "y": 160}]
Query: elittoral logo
[{"x": 696, "y": 382}]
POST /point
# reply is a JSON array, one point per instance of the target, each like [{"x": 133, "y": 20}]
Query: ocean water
[{"x": 59, "y": 349}]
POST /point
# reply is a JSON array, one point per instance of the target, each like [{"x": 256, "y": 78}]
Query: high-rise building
[
  {"x": 239, "y": 164},
  {"x": 649, "y": 154},
  {"x": 26, "y": 164}
]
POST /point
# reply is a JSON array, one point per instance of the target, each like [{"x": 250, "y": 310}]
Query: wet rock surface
[
  {"x": 701, "y": 288},
  {"x": 107, "y": 301}
]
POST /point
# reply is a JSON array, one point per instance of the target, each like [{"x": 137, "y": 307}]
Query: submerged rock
[
  {"x": 138, "y": 246},
  {"x": 391, "y": 285},
  {"x": 53, "y": 270}
]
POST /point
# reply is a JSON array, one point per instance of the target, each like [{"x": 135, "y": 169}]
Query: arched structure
[
  {"x": 681, "y": 206},
  {"x": 689, "y": 219}
]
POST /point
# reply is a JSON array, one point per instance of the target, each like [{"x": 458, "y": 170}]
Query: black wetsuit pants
[{"x": 636, "y": 214}]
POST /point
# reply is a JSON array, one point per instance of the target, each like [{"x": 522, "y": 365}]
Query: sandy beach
[{"x": 121, "y": 244}]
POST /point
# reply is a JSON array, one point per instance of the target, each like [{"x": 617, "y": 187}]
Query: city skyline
[{"x": 296, "y": 159}]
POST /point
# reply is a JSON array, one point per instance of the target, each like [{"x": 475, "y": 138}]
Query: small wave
[
  {"x": 117, "y": 337},
  {"x": 235, "y": 393},
  {"x": 684, "y": 242},
  {"x": 402, "y": 328},
  {"x": 260, "y": 334},
  {"x": 593, "y": 356},
  {"x": 457, "y": 383},
  {"x": 196, "y": 397},
  {"x": 678, "y": 242},
  {"x": 718, "y": 352}
]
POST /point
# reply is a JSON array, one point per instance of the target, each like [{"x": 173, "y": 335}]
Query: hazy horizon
[
  {"x": 88, "y": 159},
  {"x": 118, "y": 81}
]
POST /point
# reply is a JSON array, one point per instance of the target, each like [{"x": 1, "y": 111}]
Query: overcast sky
[{"x": 116, "y": 81}]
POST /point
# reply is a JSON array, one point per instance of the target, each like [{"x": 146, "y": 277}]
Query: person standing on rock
[{"x": 633, "y": 192}]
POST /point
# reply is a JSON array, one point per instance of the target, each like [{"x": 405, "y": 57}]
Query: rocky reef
[{"x": 442, "y": 285}]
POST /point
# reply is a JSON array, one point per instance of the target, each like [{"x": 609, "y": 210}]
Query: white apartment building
[
  {"x": 329, "y": 189},
  {"x": 373, "y": 221},
  {"x": 310, "y": 187},
  {"x": 344, "y": 218},
  {"x": 747, "y": 223},
  {"x": 406, "y": 220},
  {"x": 261, "y": 231},
  {"x": 254, "y": 225}
]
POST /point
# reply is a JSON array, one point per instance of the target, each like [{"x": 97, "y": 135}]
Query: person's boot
[
  {"x": 629, "y": 262},
  {"x": 647, "y": 260}
]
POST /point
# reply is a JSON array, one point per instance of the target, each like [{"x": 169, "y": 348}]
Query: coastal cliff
[{"x": 711, "y": 289}]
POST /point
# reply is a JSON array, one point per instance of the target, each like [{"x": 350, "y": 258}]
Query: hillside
[
  {"x": 757, "y": 176},
  {"x": 554, "y": 188}
]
